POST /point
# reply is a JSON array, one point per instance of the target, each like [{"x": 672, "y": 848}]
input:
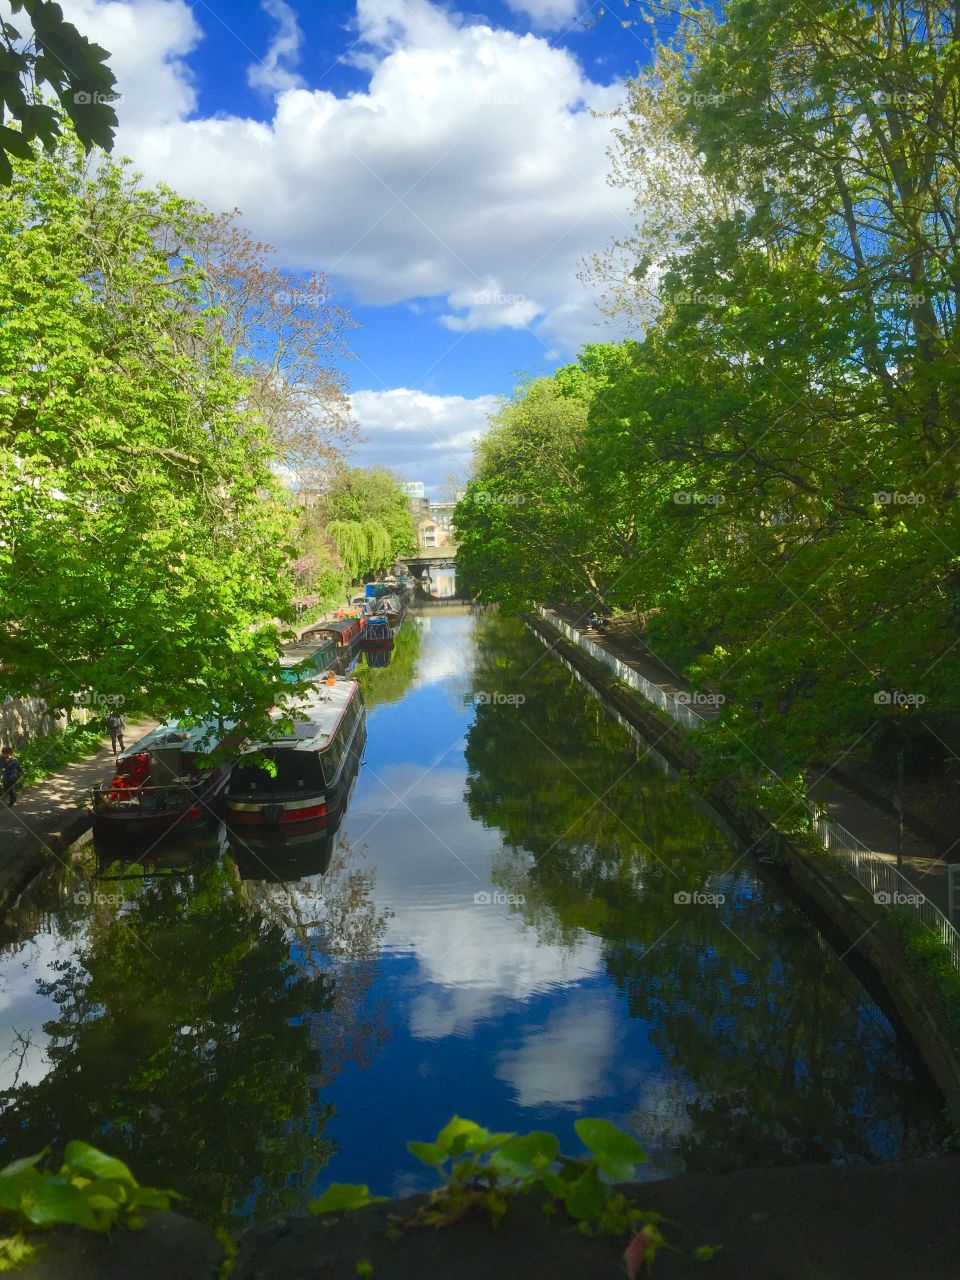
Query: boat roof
[
  {"x": 336, "y": 624},
  {"x": 296, "y": 654},
  {"x": 316, "y": 716},
  {"x": 199, "y": 737}
]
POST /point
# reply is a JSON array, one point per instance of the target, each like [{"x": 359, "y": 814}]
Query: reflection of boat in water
[
  {"x": 381, "y": 657},
  {"x": 163, "y": 783},
  {"x": 300, "y": 775}
]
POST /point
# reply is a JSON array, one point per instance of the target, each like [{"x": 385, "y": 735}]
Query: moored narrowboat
[
  {"x": 344, "y": 632},
  {"x": 165, "y": 781},
  {"x": 378, "y": 633},
  {"x": 309, "y": 766},
  {"x": 308, "y": 659}
]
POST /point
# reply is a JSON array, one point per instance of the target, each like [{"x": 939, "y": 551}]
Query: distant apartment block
[{"x": 430, "y": 534}]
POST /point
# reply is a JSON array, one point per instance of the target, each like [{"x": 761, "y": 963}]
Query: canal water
[{"x": 521, "y": 919}]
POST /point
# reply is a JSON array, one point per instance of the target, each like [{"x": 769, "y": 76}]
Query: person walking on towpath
[
  {"x": 116, "y": 726},
  {"x": 11, "y": 772}
]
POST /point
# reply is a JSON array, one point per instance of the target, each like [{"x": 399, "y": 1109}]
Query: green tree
[
  {"x": 774, "y": 458},
  {"x": 370, "y": 499},
  {"x": 51, "y": 52},
  {"x": 524, "y": 530},
  {"x": 143, "y": 538}
]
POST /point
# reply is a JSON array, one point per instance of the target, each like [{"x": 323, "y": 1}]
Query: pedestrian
[
  {"x": 11, "y": 771},
  {"x": 115, "y": 727}
]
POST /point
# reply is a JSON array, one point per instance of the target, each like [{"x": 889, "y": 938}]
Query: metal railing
[
  {"x": 123, "y": 799},
  {"x": 682, "y": 712},
  {"x": 887, "y": 885}
]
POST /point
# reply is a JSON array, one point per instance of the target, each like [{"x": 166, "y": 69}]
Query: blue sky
[{"x": 446, "y": 167}]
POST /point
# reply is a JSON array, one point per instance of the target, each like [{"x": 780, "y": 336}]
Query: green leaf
[
  {"x": 109, "y": 1194},
  {"x": 14, "y": 1188},
  {"x": 705, "y": 1252},
  {"x": 617, "y": 1153},
  {"x": 460, "y": 1135},
  {"x": 151, "y": 1198},
  {"x": 586, "y": 1197},
  {"x": 340, "y": 1196},
  {"x": 526, "y": 1154},
  {"x": 428, "y": 1152},
  {"x": 13, "y": 142},
  {"x": 26, "y": 1162},
  {"x": 53, "y": 1200},
  {"x": 81, "y": 1158}
]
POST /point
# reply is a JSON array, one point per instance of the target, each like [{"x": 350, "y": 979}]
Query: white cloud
[
  {"x": 471, "y": 164},
  {"x": 274, "y": 72},
  {"x": 424, "y": 437},
  {"x": 148, "y": 41},
  {"x": 552, "y": 13}
]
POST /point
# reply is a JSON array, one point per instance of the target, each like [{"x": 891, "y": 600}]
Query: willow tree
[
  {"x": 142, "y": 534},
  {"x": 368, "y": 493},
  {"x": 350, "y": 539},
  {"x": 379, "y": 547}
]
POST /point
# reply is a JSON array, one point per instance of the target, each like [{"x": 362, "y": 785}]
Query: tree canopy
[
  {"x": 767, "y": 474},
  {"x": 50, "y": 52},
  {"x": 367, "y": 515},
  {"x": 143, "y": 535}
]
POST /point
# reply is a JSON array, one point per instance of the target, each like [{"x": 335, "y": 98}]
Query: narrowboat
[
  {"x": 165, "y": 781},
  {"x": 304, "y": 661},
  {"x": 309, "y": 766},
  {"x": 344, "y": 632},
  {"x": 378, "y": 633},
  {"x": 393, "y": 609},
  {"x": 294, "y": 851}
]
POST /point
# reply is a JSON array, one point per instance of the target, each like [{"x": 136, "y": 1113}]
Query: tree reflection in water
[
  {"x": 198, "y": 1018},
  {"x": 770, "y": 1051}
]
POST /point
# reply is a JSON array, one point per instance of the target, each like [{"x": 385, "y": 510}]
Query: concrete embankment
[
  {"x": 814, "y": 878},
  {"x": 805, "y": 1223}
]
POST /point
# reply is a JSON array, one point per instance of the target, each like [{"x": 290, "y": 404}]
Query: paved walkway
[
  {"x": 923, "y": 865},
  {"x": 49, "y": 808}
]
